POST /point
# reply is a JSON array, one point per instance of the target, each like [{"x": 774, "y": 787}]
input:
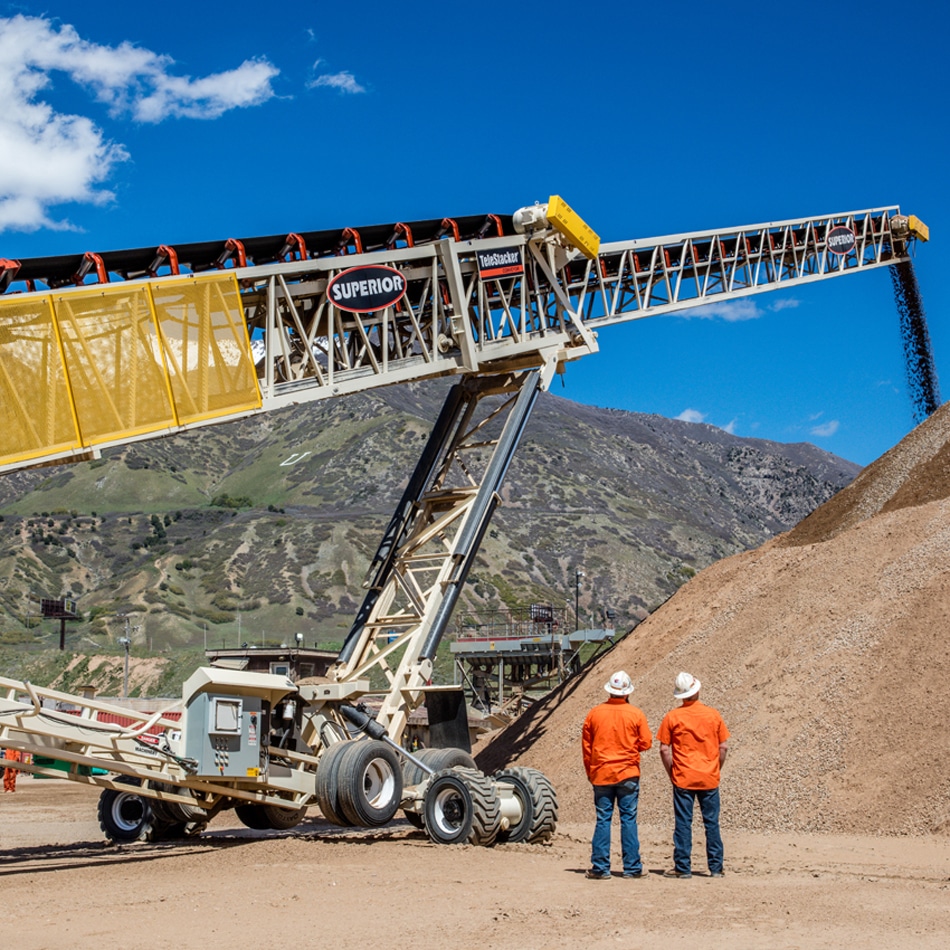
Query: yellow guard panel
[
  {"x": 114, "y": 361},
  {"x": 103, "y": 363},
  {"x": 34, "y": 392},
  {"x": 207, "y": 350}
]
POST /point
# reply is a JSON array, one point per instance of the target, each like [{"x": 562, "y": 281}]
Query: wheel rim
[
  {"x": 448, "y": 811},
  {"x": 128, "y": 812},
  {"x": 379, "y": 783}
]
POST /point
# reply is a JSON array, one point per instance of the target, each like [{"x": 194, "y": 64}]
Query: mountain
[{"x": 260, "y": 528}]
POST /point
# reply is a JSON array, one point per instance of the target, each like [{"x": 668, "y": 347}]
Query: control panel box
[{"x": 223, "y": 734}]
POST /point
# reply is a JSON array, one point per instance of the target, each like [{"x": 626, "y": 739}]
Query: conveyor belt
[{"x": 68, "y": 269}]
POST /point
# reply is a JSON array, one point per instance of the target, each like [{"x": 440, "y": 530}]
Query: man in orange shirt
[
  {"x": 10, "y": 774},
  {"x": 613, "y": 736},
  {"x": 693, "y": 744}
]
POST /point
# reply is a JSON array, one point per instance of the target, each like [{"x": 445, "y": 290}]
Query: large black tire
[
  {"x": 172, "y": 820},
  {"x": 251, "y": 815},
  {"x": 176, "y": 811},
  {"x": 461, "y": 807},
  {"x": 370, "y": 783},
  {"x": 437, "y": 760},
  {"x": 264, "y": 817},
  {"x": 283, "y": 819},
  {"x": 328, "y": 784},
  {"x": 125, "y": 816},
  {"x": 538, "y": 805}
]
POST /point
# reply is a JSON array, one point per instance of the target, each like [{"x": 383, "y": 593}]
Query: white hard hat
[
  {"x": 619, "y": 684},
  {"x": 686, "y": 685}
]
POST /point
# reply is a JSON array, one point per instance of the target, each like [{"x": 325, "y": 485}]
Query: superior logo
[
  {"x": 841, "y": 240},
  {"x": 363, "y": 289},
  {"x": 500, "y": 262}
]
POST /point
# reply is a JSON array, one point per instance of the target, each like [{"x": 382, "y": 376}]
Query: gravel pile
[{"x": 826, "y": 650}]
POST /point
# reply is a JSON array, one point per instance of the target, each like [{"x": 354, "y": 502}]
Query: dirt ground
[{"x": 323, "y": 886}]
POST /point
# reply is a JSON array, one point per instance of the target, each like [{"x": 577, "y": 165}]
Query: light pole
[
  {"x": 578, "y": 574},
  {"x": 125, "y": 642}
]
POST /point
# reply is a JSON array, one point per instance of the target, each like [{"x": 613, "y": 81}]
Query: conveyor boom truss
[{"x": 453, "y": 319}]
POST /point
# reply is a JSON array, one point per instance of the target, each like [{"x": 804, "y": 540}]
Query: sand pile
[{"x": 827, "y": 652}]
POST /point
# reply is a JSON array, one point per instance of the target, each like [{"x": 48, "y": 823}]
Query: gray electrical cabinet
[{"x": 223, "y": 735}]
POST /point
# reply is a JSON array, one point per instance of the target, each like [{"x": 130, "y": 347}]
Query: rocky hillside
[
  {"x": 262, "y": 528},
  {"x": 825, "y": 649}
]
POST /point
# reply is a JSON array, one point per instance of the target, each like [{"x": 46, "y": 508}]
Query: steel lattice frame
[
  {"x": 453, "y": 321},
  {"x": 421, "y": 565}
]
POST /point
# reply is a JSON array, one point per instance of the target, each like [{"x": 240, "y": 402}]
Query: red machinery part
[
  {"x": 91, "y": 260},
  {"x": 350, "y": 235}
]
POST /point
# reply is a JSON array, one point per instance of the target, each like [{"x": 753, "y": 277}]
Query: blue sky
[{"x": 128, "y": 125}]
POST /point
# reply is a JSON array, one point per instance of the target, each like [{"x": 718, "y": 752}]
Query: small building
[{"x": 295, "y": 662}]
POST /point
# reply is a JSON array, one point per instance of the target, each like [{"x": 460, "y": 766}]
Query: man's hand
[{"x": 666, "y": 757}]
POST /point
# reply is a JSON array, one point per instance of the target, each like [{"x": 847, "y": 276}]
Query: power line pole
[
  {"x": 578, "y": 574},
  {"x": 126, "y": 642}
]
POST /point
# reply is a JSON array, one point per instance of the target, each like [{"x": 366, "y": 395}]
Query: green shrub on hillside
[
  {"x": 224, "y": 500},
  {"x": 212, "y": 616},
  {"x": 15, "y": 636},
  {"x": 224, "y": 601}
]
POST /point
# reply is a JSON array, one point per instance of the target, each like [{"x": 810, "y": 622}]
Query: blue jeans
[
  {"x": 625, "y": 794},
  {"x": 683, "y": 832}
]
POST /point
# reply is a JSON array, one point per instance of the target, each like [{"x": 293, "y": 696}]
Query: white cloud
[
  {"x": 49, "y": 158},
  {"x": 783, "y": 303},
  {"x": 730, "y": 427},
  {"x": 209, "y": 97},
  {"x": 343, "y": 82},
  {"x": 826, "y": 428},
  {"x": 730, "y": 310},
  {"x": 745, "y": 308}
]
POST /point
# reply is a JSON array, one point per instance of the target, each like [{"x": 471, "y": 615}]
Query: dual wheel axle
[{"x": 361, "y": 783}]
